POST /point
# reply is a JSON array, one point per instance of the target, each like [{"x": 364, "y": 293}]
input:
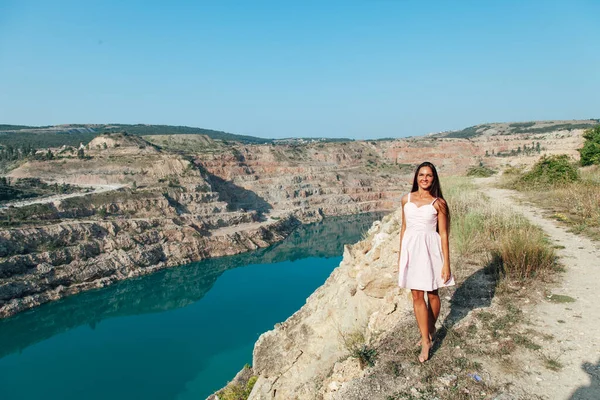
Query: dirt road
[
  {"x": 59, "y": 197},
  {"x": 575, "y": 325}
]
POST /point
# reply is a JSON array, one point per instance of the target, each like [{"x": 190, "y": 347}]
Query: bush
[
  {"x": 236, "y": 391},
  {"x": 590, "y": 153},
  {"x": 480, "y": 171},
  {"x": 552, "y": 170}
]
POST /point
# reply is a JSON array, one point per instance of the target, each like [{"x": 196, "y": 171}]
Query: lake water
[{"x": 178, "y": 334}]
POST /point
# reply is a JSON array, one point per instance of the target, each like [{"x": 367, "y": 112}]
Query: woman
[{"x": 424, "y": 250}]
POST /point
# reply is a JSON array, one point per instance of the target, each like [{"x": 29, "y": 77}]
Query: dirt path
[{"x": 574, "y": 325}]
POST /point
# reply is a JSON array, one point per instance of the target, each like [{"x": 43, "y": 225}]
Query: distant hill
[
  {"x": 513, "y": 128},
  {"x": 73, "y": 134}
]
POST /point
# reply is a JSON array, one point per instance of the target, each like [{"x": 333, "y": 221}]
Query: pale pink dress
[{"x": 421, "y": 257}]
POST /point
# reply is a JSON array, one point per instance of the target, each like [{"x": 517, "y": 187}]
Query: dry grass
[
  {"x": 518, "y": 249},
  {"x": 575, "y": 204},
  {"x": 525, "y": 253}
]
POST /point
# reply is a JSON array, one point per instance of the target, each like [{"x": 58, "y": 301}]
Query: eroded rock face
[
  {"x": 300, "y": 357},
  {"x": 93, "y": 255}
]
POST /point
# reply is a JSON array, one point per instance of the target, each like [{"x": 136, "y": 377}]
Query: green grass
[
  {"x": 237, "y": 391},
  {"x": 560, "y": 298}
]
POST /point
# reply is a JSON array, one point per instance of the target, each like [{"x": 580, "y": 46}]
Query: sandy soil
[{"x": 575, "y": 326}]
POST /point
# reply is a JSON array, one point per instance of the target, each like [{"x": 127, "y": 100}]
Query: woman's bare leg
[
  {"x": 422, "y": 316},
  {"x": 433, "y": 312},
  {"x": 433, "y": 309}
]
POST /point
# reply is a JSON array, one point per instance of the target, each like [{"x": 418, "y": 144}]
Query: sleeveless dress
[{"x": 421, "y": 257}]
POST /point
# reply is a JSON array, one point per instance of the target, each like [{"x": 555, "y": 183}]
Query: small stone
[
  {"x": 333, "y": 386},
  {"x": 447, "y": 379}
]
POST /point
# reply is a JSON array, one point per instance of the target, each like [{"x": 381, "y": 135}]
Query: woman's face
[{"x": 425, "y": 178}]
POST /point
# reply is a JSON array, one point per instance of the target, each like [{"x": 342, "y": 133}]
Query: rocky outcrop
[
  {"x": 48, "y": 263},
  {"x": 302, "y": 357}
]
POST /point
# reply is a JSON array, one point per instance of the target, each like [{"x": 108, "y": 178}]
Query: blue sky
[{"x": 358, "y": 69}]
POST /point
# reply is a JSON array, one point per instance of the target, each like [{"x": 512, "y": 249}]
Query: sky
[{"x": 290, "y": 68}]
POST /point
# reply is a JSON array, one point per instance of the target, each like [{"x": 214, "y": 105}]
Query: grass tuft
[
  {"x": 356, "y": 344},
  {"x": 525, "y": 254}
]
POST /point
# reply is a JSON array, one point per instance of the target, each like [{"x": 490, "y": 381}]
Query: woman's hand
[{"x": 446, "y": 273}]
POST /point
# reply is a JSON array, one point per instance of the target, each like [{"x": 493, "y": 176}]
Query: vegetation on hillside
[
  {"x": 521, "y": 127},
  {"x": 73, "y": 135},
  {"x": 469, "y": 132},
  {"x": 11, "y": 157},
  {"x": 5, "y": 127},
  {"x": 572, "y": 196},
  {"x": 25, "y": 188},
  {"x": 590, "y": 153},
  {"x": 480, "y": 171},
  {"x": 534, "y": 149},
  {"x": 239, "y": 390},
  {"x": 142, "y": 129},
  {"x": 551, "y": 128},
  {"x": 549, "y": 172},
  {"x": 24, "y": 138}
]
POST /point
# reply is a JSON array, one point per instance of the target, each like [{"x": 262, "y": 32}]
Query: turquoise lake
[{"x": 179, "y": 334}]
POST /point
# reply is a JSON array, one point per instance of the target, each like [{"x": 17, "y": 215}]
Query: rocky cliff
[
  {"x": 51, "y": 262},
  {"x": 305, "y": 357}
]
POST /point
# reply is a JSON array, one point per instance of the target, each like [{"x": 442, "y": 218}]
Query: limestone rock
[{"x": 295, "y": 360}]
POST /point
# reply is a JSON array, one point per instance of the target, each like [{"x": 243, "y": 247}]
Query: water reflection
[{"x": 173, "y": 288}]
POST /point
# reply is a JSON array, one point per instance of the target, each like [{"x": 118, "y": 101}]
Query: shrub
[
  {"x": 237, "y": 391},
  {"x": 552, "y": 170},
  {"x": 590, "y": 153},
  {"x": 480, "y": 171}
]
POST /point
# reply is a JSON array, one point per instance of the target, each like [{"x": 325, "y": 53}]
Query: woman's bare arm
[
  {"x": 442, "y": 208},
  {"x": 403, "y": 228}
]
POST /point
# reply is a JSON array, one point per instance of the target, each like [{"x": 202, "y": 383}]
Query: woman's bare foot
[
  {"x": 431, "y": 337},
  {"x": 425, "y": 349}
]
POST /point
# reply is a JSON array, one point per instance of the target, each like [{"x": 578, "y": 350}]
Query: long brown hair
[{"x": 435, "y": 190}]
